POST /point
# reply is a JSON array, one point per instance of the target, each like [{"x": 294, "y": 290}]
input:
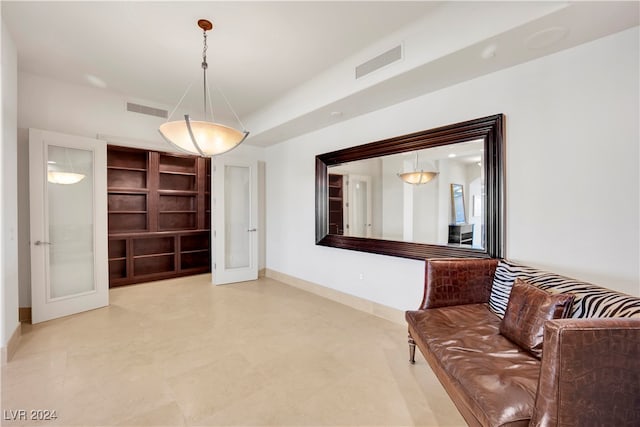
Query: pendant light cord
[
  {"x": 206, "y": 87},
  {"x": 231, "y": 108},
  {"x": 204, "y": 71},
  {"x": 180, "y": 102},
  {"x": 206, "y": 90}
]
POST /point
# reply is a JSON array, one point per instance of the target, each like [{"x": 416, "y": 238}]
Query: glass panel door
[
  {"x": 235, "y": 219},
  {"x": 237, "y": 216},
  {"x": 70, "y": 217}
]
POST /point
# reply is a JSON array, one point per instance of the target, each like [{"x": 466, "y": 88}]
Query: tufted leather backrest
[{"x": 457, "y": 281}]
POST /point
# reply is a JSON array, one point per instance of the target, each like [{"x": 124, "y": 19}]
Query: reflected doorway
[{"x": 359, "y": 206}]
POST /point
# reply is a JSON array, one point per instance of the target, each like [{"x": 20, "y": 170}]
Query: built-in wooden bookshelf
[
  {"x": 159, "y": 215},
  {"x": 336, "y": 199}
]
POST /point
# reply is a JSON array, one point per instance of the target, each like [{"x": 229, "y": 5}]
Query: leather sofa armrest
[
  {"x": 590, "y": 373},
  {"x": 457, "y": 281}
]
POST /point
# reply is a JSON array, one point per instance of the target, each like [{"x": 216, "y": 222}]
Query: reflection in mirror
[
  {"x": 368, "y": 198},
  {"x": 457, "y": 204},
  {"x": 394, "y": 196}
]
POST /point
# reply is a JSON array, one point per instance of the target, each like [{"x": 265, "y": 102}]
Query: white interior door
[
  {"x": 68, "y": 195},
  {"x": 235, "y": 212},
  {"x": 360, "y": 205}
]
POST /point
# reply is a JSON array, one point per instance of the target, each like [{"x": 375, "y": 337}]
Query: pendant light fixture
[
  {"x": 417, "y": 177},
  {"x": 202, "y": 137}
]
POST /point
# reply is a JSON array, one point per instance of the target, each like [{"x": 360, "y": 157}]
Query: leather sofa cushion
[
  {"x": 495, "y": 378},
  {"x": 528, "y": 308}
]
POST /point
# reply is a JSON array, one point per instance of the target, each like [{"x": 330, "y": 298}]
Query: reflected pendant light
[
  {"x": 57, "y": 177},
  {"x": 202, "y": 138},
  {"x": 64, "y": 174},
  {"x": 417, "y": 177}
]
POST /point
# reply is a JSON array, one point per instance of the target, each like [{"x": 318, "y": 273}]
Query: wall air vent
[
  {"x": 149, "y": 111},
  {"x": 386, "y": 58}
]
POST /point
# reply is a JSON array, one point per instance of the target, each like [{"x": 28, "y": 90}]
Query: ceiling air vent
[
  {"x": 386, "y": 58},
  {"x": 149, "y": 111}
]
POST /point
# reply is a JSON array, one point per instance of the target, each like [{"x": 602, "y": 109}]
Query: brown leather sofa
[{"x": 589, "y": 373}]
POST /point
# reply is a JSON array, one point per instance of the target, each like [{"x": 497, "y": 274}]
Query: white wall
[
  {"x": 425, "y": 214},
  {"x": 84, "y": 111},
  {"x": 393, "y": 196},
  {"x": 473, "y": 191},
  {"x": 572, "y": 173},
  {"x": 8, "y": 184}
]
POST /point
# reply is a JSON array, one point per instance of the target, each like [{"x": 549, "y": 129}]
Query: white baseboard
[
  {"x": 392, "y": 314},
  {"x": 12, "y": 346}
]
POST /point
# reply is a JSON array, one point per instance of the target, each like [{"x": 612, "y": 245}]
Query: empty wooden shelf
[{"x": 159, "y": 215}]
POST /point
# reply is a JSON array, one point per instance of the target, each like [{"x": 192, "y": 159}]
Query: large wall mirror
[{"x": 435, "y": 193}]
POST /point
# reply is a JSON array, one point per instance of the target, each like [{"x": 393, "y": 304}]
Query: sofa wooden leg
[{"x": 412, "y": 350}]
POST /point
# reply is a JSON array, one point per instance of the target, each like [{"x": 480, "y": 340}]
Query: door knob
[
  {"x": 251, "y": 230},
  {"x": 40, "y": 243}
]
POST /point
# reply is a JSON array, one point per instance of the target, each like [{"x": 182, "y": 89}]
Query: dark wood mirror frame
[{"x": 489, "y": 128}]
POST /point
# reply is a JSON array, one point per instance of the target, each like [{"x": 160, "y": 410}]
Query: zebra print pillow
[
  {"x": 590, "y": 300},
  {"x": 506, "y": 274}
]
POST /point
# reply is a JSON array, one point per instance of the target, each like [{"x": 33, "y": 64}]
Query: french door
[
  {"x": 68, "y": 196},
  {"x": 235, "y": 219}
]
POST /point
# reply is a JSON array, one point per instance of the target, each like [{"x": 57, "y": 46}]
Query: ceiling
[
  {"x": 152, "y": 50},
  {"x": 261, "y": 54}
]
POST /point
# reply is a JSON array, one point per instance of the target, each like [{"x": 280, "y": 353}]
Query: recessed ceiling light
[
  {"x": 546, "y": 37},
  {"x": 96, "y": 81},
  {"x": 452, "y": 155},
  {"x": 51, "y": 162},
  {"x": 489, "y": 51}
]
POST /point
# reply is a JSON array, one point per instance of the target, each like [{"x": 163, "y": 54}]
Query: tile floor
[{"x": 185, "y": 353}]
